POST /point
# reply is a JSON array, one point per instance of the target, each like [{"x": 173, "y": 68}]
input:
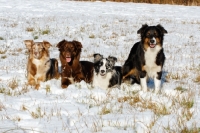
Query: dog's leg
[
  {"x": 157, "y": 82},
  {"x": 143, "y": 80},
  {"x": 31, "y": 80},
  {"x": 57, "y": 74},
  {"x": 40, "y": 79},
  {"x": 65, "y": 82},
  {"x": 79, "y": 77}
]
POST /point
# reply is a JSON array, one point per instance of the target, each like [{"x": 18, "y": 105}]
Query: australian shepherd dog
[
  {"x": 106, "y": 74},
  {"x": 73, "y": 70},
  {"x": 40, "y": 66},
  {"x": 146, "y": 58}
]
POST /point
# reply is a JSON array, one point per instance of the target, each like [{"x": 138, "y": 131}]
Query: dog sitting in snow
[
  {"x": 40, "y": 67},
  {"x": 73, "y": 70},
  {"x": 106, "y": 74},
  {"x": 146, "y": 57}
]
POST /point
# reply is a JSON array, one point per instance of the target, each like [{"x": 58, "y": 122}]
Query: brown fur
[
  {"x": 72, "y": 69},
  {"x": 39, "y": 62}
]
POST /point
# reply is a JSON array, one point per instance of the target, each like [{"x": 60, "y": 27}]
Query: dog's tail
[{"x": 53, "y": 70}]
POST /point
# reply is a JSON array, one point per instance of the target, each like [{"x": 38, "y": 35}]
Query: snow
[{"x": 107, "y": 28}]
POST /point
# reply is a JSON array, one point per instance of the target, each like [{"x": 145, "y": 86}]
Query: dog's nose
[
  {"x": 152, "y": 41},
  {"x": 102, "y": 71}
]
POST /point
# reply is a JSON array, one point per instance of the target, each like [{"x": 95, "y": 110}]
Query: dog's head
[
  {"x": 103, "y": 65},
  {"x": 37, "y": 49},
  {"x": 152, "y": 36},
  {"x": 69, "y": 50}
]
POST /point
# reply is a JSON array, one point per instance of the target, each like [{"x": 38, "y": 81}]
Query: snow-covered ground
[{"x": 110, "y": 29}]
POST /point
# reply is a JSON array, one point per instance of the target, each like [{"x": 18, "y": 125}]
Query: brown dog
[
  {"x": 72, "y": 69},
  {"x": 40, "y": 67}
]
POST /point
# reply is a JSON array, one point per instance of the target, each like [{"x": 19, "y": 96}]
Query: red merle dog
[{"x": 73, "y": 70}]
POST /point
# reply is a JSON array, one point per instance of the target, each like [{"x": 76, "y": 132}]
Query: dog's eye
[
  {"x": 148, "y": 35},
  {"x": 109, "y": 65}
]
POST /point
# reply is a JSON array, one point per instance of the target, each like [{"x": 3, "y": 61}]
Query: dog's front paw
[
  {"x": 37, "y": 86},
  {"x": 78, "y": 79},
  {"x": 64, "y": 86}
]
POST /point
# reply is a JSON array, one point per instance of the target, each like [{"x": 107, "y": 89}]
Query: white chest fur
[
  {"x": 42, "y": 66},
  {"x": 101, "y": 81},
  {"x": 150, "y": 61}
]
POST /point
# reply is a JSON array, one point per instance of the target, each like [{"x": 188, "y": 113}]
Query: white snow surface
[{"x": 107, "y": 28}]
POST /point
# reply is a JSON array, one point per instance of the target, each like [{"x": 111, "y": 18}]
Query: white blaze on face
[
  {"x": 37, "y": 51},
  {"x": 102, "y": 79},
  {"x": 152, "y": 42},
  {"x": 102, "y": 69}
]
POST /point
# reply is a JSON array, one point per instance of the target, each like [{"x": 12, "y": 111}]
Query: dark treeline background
[{"x": 173, "y": 2}]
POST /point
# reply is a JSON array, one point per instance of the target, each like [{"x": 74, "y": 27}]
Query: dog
[
  {"x": 146, "y": 57},
  {"x": 40, "y": 67},
  {"x": 106, "y": 74},
  {"x": 73, "y": 70}
]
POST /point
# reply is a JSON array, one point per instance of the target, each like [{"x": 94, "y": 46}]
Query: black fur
[
  {"x": 51, "y": 73},
  {"x": 116, "y": 71},
  {"x": 87, "y": 70},
  {"x": 116, "y": 77},
  {"x": 133, "y": 66}
]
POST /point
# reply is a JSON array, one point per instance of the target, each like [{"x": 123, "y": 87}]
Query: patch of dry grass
[
  {"x": 176, "y": 76},
  {"x": 13, "y": 83},
  {"x": 1, "y": 106},
  {"x": 197, "y": 79},
  {"x": 30, "y": 29},
  {"x": 192, "y": 130}
]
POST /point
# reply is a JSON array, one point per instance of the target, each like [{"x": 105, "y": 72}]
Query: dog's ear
[
  {"x": 142, "y": 29},
  {"x": 28, "y": 44},
  {"x": 97, "y": 57},
  {"x": 161, "y": 28},
  {"x": 46, "y": 45},
  {"x": 78, "y": 45},
  {"x": 60, "y": 44},
  {"x": 112, "y": 58}
]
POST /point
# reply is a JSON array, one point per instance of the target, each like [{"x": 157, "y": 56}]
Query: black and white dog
[
  {"x": 106, "y": 74},
  {"x": 146, "y": 57}
]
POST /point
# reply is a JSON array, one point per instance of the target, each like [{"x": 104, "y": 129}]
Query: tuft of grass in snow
[
  {"x": 158, "y": 109},
  {"x": 13, "y": 83},
  {"x": 48, "y": 89},
  {"x": 92, "y": 36},
  {"x": 192, "y": 130},
  {"x": 1, "y": 106},
  {"x": 46, "y": 31},
  {"x": 37, "y": 113},
  {"x": 180, "y": 88},
  {"x": 137, "y": 101},
  {"x": 197, "y": 79},
  {"x": 104, "y": 111},
  {"x": 35, "y": 37},
  {"x": 5, "y": 91},
  {"x": 187, "y": 103},
  {"x": 23, "y": 107},
  {"x": 176, "y": 76},
  {"x": 1, "y": 38},
  {"x": 3, "y": 50},
  {"x": 29, "y": 29},
  {"x": 3, "y": 57}
]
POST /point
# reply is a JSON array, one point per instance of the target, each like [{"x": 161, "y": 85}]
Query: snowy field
[{"x": 110, "y": 29}]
